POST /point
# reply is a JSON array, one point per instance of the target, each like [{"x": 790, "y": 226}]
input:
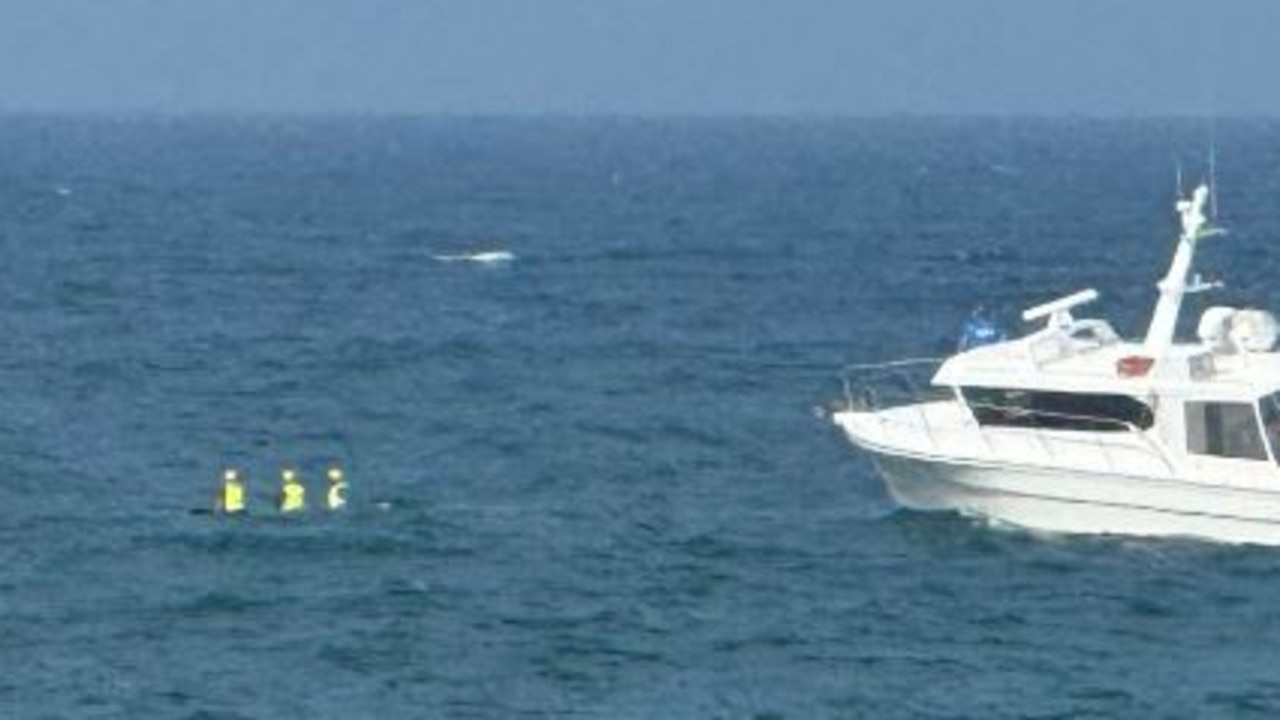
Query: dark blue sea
[{"x": 591, "y": 481}]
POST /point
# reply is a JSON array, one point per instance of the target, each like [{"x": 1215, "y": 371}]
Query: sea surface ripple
[{"x": 589, "y": 480}]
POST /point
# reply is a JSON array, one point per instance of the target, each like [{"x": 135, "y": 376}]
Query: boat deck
[{"x": 946, "y": 429}]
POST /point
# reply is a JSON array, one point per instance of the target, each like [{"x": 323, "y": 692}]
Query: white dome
[
  {"x": 1214, "y": 325},
  {"x": 1254, "y": 331}
]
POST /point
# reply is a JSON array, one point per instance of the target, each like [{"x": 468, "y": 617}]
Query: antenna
[
  {"x": 1213, "y": 171},
  {"x": 1177, "y": 168}
]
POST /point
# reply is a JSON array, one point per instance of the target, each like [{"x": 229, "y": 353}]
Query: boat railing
[
  {"x": 898, "y": 383},
  {"x": 876, "y": 386},
  {"x": 1036, "y": 419},
  {"x": 884, "y": 386},
  {"x": 1039, "y": 421}
]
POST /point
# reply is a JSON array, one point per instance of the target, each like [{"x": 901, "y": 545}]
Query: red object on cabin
[{"x": 1134, "y": 366}]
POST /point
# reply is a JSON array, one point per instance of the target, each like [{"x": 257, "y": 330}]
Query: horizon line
[{"x": 128, "y": 114}]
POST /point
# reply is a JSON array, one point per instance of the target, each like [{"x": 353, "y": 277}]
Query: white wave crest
[{"x": 486, "y": 257}]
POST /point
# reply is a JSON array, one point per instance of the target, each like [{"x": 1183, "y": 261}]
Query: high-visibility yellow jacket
[
  {"x": 337, "y": 495},
  {"x": 293, "y": 497},
  {"x": 232, "y": 500}
]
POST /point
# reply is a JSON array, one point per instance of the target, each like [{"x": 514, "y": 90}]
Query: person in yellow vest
[
  {"x": 231, "y": 500},
  {"x": 293, "y": 496},
  {"x": 337, "y": 496}
]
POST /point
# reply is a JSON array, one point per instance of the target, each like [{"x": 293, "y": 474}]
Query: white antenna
[
  {"x": 1213, "y": 172},
  {"x": 1174, "y": 285},
  {"x": 1059, "y": 311}
]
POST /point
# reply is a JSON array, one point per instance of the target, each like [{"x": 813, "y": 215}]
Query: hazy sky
[{"x": 846, "y": 57}]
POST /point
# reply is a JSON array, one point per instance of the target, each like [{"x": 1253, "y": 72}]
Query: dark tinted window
[
  {"x": 1269, "y": 407},
  {"x": 1056, "y": 410},
  {"x": 1224, "y": 429}
]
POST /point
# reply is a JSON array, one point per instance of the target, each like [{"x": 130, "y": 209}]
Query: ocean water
[{"x": 590, "y": 481}]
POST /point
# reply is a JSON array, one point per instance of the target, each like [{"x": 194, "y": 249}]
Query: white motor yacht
[{"x": 1072, "y": 429}]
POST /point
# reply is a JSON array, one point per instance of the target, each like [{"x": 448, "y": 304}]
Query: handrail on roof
[
  {"x": 1034, "y": 413},
  {"x": 1149, "y": 444}
]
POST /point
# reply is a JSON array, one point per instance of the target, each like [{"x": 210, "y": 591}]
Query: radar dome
[
  {"x": 1254, "y": 331},
  {"x": 1214, "y": 325}
]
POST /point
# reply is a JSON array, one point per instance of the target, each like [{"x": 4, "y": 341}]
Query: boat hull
[{"x": 1042, "y": 499}]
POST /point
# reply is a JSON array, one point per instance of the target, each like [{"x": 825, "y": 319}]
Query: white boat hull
[
  {"x": 1058, "y": 501},
  {"x": 1071, "y": 429}
]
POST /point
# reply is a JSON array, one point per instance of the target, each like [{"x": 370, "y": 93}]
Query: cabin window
[
  {"x": 1225, "y": 429},
  {"x": 1269, "y": 409},
  {"x": 1056, "y": 410}
]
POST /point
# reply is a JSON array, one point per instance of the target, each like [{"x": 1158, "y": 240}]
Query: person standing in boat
[{"x": 980, "y": 330}]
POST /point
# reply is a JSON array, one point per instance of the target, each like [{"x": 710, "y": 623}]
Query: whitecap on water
[{"x": 488, "y": 257}]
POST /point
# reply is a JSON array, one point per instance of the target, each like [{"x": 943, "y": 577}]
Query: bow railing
[{"x": 900, "y": 396}]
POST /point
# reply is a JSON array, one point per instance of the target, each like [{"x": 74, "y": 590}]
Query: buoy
[
  {"x": 337, "y": 495},
  {"x": 231, "y": 500},
  {"x": 293, "y": 496}
]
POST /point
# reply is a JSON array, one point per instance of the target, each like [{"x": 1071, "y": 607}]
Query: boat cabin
[{"x": 1214, "y": 403}]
